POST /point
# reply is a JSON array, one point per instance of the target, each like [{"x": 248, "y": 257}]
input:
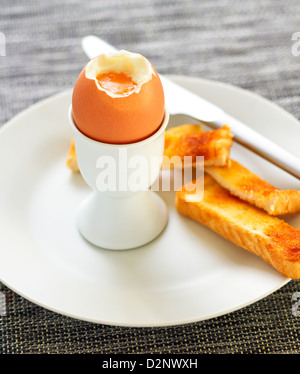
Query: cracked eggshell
[{"x": 121, "y": 119}]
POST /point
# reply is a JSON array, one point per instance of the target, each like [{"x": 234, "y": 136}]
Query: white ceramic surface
[
  {"x": 120, "y": 215},
  {"x": 187, "y": 274}
]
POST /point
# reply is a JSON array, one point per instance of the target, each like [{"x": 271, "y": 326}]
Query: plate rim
[{"x": 150, "y": 325}]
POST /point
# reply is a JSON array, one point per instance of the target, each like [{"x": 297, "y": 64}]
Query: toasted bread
[
  {"x": 71, "y": 161},
  {"x": 246, "y": 185},
  {"x": 271, "y": 238},
  {"x": 191, "y": 140},
  {"x": 171, "y": 135},
  {"x": 186, "y": 140}
]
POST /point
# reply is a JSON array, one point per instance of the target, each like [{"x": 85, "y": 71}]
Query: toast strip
[
  {"x": 270, "y": 238},
  {"x": 246, "y": 185},
  {"x": 191, "y": 140},
  {"x": 187, "y": 140},
  {"x": 71, "y": 160}
]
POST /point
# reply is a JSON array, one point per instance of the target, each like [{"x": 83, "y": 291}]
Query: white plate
[{"x": 187, "y": 274}]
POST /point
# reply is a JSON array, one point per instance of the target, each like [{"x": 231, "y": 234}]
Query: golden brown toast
[
  {"x": 171, "y": 135},
  {"x": 248, "y": 186},
  {"x": 187, "y": 140},
  {"x": 191, "y": 140},
  {"x": 269, "y": 237},
  {"x": 71, "y": 161}
]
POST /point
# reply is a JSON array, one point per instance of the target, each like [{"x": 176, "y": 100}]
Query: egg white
[{"x": 134, "y": 65}]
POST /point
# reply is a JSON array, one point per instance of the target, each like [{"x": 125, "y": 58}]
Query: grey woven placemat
[{"x": 246, "y": 43}]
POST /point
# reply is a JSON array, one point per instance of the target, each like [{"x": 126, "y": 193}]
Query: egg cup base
[{"x": 122, "y": 223}]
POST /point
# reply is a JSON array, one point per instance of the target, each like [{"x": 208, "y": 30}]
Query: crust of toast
[
  {"x": 191, "y": 140},
  {"x": 246, "y": 185},
  {"x": 270, "y": 238},
  {"x": 71, "y": 160}
]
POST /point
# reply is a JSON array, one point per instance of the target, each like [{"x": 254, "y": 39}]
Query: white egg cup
[{"x": 125, "y": 215}]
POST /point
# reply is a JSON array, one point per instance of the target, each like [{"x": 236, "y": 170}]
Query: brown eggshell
[{"x": 119, "y": 120}]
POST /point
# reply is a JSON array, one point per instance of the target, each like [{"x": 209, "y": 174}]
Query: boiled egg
[{"x": 118, "y": 98}]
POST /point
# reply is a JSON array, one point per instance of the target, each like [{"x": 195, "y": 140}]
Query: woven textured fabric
[{"x": 245, "y": 43}]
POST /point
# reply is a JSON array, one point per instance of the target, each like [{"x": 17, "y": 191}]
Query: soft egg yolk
[{"x": 117, "y": 83}]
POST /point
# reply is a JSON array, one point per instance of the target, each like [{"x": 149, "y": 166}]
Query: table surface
[{"x": 245, "y": 43}]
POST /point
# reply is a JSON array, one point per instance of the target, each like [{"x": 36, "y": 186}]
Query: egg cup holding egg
[{"x": 118, "y": 118}]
